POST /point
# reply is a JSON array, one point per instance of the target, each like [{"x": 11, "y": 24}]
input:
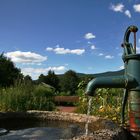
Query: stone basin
[{"x": 69, "y": 126}]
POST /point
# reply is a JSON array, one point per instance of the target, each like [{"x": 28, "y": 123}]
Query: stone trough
[{"x": 100, "y": 129}]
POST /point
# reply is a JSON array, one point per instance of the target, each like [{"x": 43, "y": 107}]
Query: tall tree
[
  {"x": 28, "y": 79},
  {"x": 50, "y": 79},
  {"x": 53, "y": 80},
  {"x": 70, "y": 82},
  {"x": 42, "y": 78},
  {"x": 8, "y": 72}
]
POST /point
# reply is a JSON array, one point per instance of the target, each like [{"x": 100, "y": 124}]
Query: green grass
[{"x": 24, "y": 97}]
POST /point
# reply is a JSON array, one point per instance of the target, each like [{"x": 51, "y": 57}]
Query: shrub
[
  {"x": 43, "y": 98},
  {"x": 106, "y": 103},
  {"x": 24, "y": 97}
]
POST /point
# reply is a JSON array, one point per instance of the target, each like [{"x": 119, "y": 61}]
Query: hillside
[{"x": 109, "y": 73}]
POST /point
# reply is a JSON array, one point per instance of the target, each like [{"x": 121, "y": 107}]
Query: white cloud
[
  {"x": 138, "y": 49},
  {"x": 127, "y": 13},
  {"x": 101, "y": 54},
  {"x": 49, "y": 49},
  {"x": 59, "y": 50},
  {"x": 35, "y": 72},
  {"x": 38, "y": 64},
  {"x": 120, "y": 8},
  {"x": 89, "y": 36},
  {"x": 66, "y": 64},
  {"x": 89, "y": 42},
  {"x": 109, "y": 57},
  {"x": 121, "y": 67},
  {"x": 93, "y": 47},
  {"x": 25, "y": 57},
  {"x": 77, "y": 51},
  {"x": 117, "y": 8},
  {"x": 136, "y": 7}
]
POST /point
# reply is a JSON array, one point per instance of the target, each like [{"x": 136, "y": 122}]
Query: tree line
[{"x": 67, "y": 82}]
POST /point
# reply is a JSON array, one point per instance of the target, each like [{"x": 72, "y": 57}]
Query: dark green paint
[{"x": 130, "y": 81}]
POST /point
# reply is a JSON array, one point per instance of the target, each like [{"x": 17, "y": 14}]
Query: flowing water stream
[{"x": 88, "y": 114}]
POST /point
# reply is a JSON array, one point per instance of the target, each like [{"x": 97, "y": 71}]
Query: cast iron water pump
[{"x": 130, "y": 81}]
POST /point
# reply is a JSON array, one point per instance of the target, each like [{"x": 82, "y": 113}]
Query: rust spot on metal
[{"x": 134, "y": 119}]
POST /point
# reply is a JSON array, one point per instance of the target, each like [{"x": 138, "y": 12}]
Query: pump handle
[
  {"x": 130, "y": 29},
  {"x": 128, "y": 48}
]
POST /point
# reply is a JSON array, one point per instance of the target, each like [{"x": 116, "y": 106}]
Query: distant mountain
[
  {"x": 110, "y": 73},
  {"x": 104, "y": 74}
]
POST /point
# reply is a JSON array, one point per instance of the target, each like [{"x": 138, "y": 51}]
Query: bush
[
  {"x": 42, "y": 98},
  {"x": 42, "y": 91},
  {"x": 106, "y": 103},
  {"x": 24, "y": 97},
  {"x": 62, "y": 93}
]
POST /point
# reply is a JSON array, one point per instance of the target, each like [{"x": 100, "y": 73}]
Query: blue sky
[{"x": 82, "y": 35}]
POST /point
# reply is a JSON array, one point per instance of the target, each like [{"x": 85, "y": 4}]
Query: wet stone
[{"x": 3, "y": 131}]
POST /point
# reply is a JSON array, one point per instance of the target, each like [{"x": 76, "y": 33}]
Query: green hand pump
[{"x": 130, "y": 81}]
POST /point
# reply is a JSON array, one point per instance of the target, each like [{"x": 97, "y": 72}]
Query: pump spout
[{"x": 121, "y": 81}]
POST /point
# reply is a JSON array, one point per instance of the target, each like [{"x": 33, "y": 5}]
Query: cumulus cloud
[
  {"x": 35, "y": 72},
  {"x": 93, "y": 47},
  {"x": 127, "y": 13},
  {"x": 117, "y": 8},
  {"x": 136, "y": 7},
  {"x": 109, "y": 57},
  {"x": 121, "y": 67},
  {"x": 60, "y": 50},
  {"x": 25, "y": 57},
  {"x": 120, "y": 8},
  {"x": 89, "y": 42},
  {"x": 101, "y": 54},
  {"x": 89, "y": 36},
  {"x": 138, "y": 49},
  {"x": 49, "y": 49}
]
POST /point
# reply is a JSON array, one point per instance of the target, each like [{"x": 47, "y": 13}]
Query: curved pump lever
[
  {"x": 124, "y": 101},
  {"x": 130, "y": 29},
  {"x": 128, "y": 47}
]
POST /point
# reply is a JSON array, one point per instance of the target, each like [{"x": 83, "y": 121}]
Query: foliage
[
  {"x": 41, "y": 78},
  {"x": 22, "y": 97},
  {"x": 70, "y": 82},
  {"x": 43, "y": 98},
  {"x": 106, "y": 103},
  {"x": 27, "y": 79},
  {"x": 8, "y": 72},
  {"x": 62, "y": 93},
  {"x": 50, "y": 79}
]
